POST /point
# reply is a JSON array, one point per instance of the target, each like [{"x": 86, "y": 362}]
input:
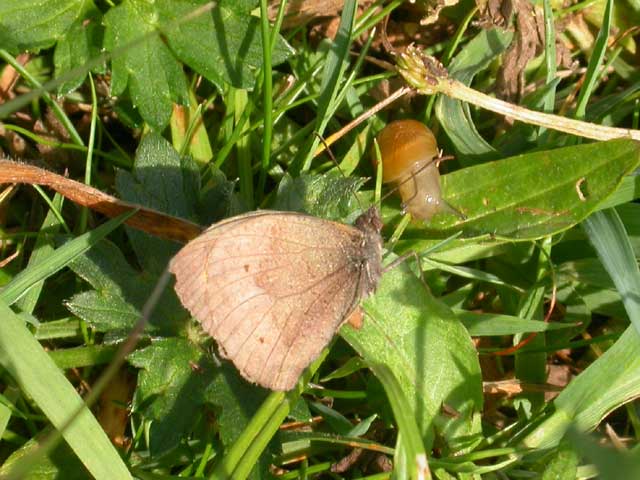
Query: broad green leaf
[
  {"x": 104, "y": 311},
  {"x": 428, "y": 350},
  {"x": 31, "y": 367},
  {"x": 34, "y": 24},
  {"x": 154, "y": 76},
  {"x": 532, "y": 195},
  {"x": 607, "y": 383},
  {"x": 158, "y": 181},
  {"x": 454, "y": 115},
  {"x": 171, "y": 386},
  {"x": 82, "y": 42},
  {"x": 223, "y": 44},
  {"x": 120, "y": 294},
  {"x": 562, "y": 466}
]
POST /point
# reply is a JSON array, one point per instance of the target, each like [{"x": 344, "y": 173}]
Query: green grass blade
[
  {"x": 241, "y": 457},
  {"x": 236, "y": 454},
  {"x": 609, "y": 237},
  {"x": 595, "y": 60},
  {"x": 41, "y": 250},
  {"x": 60, "y": 258},
  {"x": 334, "y": 70},
  {"x": 267, "y": 95},
  {"x": 55, "y": 106},
  {"x": 606, "y": 384},
  {"x": 454, "y": 115},
  {"x": 412, "y": 441},
  {"x": 39, "y": 377}
]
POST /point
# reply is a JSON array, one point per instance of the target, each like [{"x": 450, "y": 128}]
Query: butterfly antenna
[{"x": 335, "y": 162}]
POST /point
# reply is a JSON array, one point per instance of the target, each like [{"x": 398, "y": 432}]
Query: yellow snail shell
[{"x": 408, "y": 149}]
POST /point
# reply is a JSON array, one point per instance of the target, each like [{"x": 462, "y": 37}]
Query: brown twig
[{"x": 145, "y": 219}]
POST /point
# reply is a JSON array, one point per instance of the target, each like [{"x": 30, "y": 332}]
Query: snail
[{"x": 408, "y": 150}]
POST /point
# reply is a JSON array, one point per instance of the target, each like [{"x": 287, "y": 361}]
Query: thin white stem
[
  {"x": 459, "y": 91},
  {"x": 428, "y": 77}
]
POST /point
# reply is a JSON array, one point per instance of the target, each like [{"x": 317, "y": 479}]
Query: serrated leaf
[
  {"x": 238, "y": 400},
  {"x": 120, "y": 293},
  {"x": 326, "y": 196},
  {"x": 34, "y": 24},
  {"x": 224, "y": 45},
  {"x": 171, "y": 387},
  {"x": 428, "y": 350},
  {"x": 82, "y": 42},
  {"x": 158, "y": 182},
  {"x": 154, "y": 76},
  {"x": 532, "y": 195},
  {"x": 104, "y": 311}
]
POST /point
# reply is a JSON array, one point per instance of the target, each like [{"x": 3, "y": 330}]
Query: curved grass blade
[
  {"x": 454, "y": 115},
  {"x": 609, "y": 237},
  {"x": 40, "y": 378},
  {"x": 59, "y": 259}
]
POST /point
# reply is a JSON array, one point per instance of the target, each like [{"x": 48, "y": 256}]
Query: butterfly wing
[{"x": 272, "y": 288}]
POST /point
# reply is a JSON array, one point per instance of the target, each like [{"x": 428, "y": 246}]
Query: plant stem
[{"x": 428, "y": 76}]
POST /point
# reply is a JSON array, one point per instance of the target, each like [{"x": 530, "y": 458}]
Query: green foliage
[
  {"x": 170, "y": 398},
  {"x": 221, "y": 42},
  {"x": 33, "y": 25},
  {"x": 428, "y": 351},
  {"x": 544, "y": 221}
]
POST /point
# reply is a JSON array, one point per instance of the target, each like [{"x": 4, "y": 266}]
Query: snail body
[{"x": 408, "y": 151}]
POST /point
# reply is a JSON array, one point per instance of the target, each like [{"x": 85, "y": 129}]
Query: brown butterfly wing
[{"x": 272, "y": 288}]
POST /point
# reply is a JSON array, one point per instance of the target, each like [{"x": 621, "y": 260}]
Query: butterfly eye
[{"x": 408, "y": 149}]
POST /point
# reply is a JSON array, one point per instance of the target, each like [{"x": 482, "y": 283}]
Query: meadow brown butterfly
[{"x": 272, "y": 288}]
